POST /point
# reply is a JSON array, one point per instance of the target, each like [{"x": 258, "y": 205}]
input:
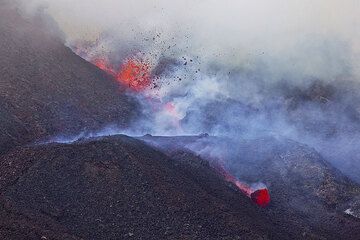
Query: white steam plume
[{"x": 280, "y": 67}]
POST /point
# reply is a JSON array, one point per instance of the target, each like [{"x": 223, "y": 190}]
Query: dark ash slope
[
  {"x": 308, "y": 194},
  {"x": 118, "y": 188},
  {"x": 46, "y": 89}
]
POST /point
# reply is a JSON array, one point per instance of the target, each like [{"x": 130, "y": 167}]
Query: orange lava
[
  {"x": 134, "y": 74},
  {"x": 261, "y": 197},
  {"x": 105, "y": 66}
]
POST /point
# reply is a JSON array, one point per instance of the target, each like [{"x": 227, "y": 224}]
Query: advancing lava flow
[{"x": 260, "y": 196}]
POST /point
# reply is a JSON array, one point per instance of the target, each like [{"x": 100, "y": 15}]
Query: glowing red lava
[
  {"x": 259, "y": 196},
  {"x": 134, "y": 74},
  {"x": 104, "y": 65}
]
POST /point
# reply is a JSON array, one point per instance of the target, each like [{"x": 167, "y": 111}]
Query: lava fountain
[{"x": 133, "y": 73}]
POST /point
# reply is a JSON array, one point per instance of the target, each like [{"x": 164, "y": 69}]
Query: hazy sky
[
  {"x": 246, "y": 48},
  {"x": 227, "y": 29},
  {"x": 209, "y": 17}
]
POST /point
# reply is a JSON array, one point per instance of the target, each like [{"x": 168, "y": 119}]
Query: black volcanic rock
[
  {"x": 123, "y": 188},
  {"x": 46, "y": 89},
  {"x": 120, "y": 188},
  {"x": 306, "y": 191},
  {"x": 302, "y": 183}
]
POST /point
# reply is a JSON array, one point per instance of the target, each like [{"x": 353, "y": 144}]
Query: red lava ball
[{"x": 261, "y": 197}]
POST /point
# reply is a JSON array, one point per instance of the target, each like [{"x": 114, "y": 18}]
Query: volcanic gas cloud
[{"x": 136, "y": 75}]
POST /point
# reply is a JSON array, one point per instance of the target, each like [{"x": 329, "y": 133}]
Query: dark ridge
[
  {"x": 308, "y": 194},
  {"x": 119, "y": 188}
]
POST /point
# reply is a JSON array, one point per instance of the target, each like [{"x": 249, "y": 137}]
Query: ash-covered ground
[
  {"x": 45, "y": 89},
  {"x": 120, "y": 187},
  {"x": 94, "y": 186}
]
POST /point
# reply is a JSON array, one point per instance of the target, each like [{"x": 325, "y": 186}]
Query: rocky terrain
[
  {"x": 121, "y": 187},
  {"x": 118, "y": 188},
  {"x": 300, "y": 181},
  {"x": 46, "y": 89}
]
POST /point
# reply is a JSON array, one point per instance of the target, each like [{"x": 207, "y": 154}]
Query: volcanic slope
[
  {"x": 119, "y": 187},
  {"x": 46, "y": 89},
  {"x": 307, "y": 193}
]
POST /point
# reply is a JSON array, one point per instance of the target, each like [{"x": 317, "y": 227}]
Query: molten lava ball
[{"x": 261, "y": 197}]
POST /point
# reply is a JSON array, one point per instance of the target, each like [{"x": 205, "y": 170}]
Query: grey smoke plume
[{"x": 243, "y": 69}]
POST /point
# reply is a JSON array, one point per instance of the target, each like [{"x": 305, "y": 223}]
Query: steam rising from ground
[{"x": 235, "y": 68}]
